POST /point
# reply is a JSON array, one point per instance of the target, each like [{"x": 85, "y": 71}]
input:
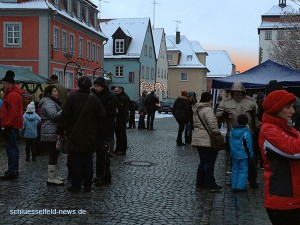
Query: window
[
  {"x": 79, "y": 9},
  {"x": 56, "y": 38},
  {"x": 145, "y": 50},
  {"x": 152, "y": 74},
  {"x": 64, "y": 41},
  {"x": 119, "y": 71},
  {"x": 56, "y": 2},
  {"x": 96, "y": 20},
  {"x": 13, "y": 34},
  {"x": 189, "y": 57},
  {"x": 87, "y": 15},
  {"x": 150, "y": 52},
  {"x": 183, "y": 76},
  {"x": 158, "y": 74},
  {"x": 162, "y": 72},
  {"x": 143, "y": 71},
  {"x": 119, "y": 46},
  {"x": 147, "y": 72},
  {"x": 94, "y": 52},
  {"x": 60, "y": 75},
  {"x": 88, "y": 50},
  {"x": 98, "y": 53},
  {"x": 268, "y": 35},
  {"x": 80, "y": 47},
  {"x": 131, "y": 77},
  {"x": 69, "y": 6},
  {"x": 170, "y": 58},
  {"x": 71, "y": 49},
  {"x": 280, "y": 35},
  {"x": 165, "y": 73},
  {"x": 69, "y": 80}
]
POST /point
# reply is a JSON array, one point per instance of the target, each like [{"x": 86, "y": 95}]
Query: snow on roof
[
  {"x": 276, "y": 10},
  {"x": 219, "y": 63},
  {"x": 136, "y": 27},
  {"x": 188, "y": 58},
  {"x": 197, "y": 47},
  {"x": 45, "y": 4},
  {"x": 157, "y": 37}
]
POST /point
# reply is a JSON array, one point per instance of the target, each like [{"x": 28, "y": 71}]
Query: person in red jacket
[
  {"x": 279, "y": 143},
  {"x": 11, "y": 122}
]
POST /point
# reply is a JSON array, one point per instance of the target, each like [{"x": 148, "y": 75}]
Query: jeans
[
  {"x": 121, "y": 137},
  {"x": 82, "y": 169},
  {"x": 180, "y": 131},
  {"x": 12, "y": 152},
  {"x": 150, "y": 120},
  {"x": 141, "y": 124},
  {"x": 206, "y": 167}
]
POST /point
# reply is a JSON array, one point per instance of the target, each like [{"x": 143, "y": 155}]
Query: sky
[{"x": 217, "y": 24}]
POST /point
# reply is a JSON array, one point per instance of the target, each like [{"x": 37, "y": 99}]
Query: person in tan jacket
[
  {"x": 203, "y": 113},
  {"x": 228, "y": 111}
]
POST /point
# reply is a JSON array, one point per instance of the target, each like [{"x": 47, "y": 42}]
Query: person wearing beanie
[
  {"x": 181, "y": 112},
  {"x": 227, "y": 112},
  {"x": 81, "y": 121},
  {"x": 62, "y": 90},
  {"x": 29, "y": 132},
  {"x": 105, "y": 139},
  {"x": 241, "y": 153},
  {"x": 279, "y": 144},
  {"x": 205, "y": 123},
  {"x": 11, "y": 122}
]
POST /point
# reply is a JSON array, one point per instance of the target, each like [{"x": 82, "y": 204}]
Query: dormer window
[
  {"x": 69, "y": 6},
  {"x": 119, "y": 46},
  {"x": 189, "y": 57},
  {"x": 95, "y": 20},
  {"x": 79, "y": 9},
  {"x": 87, "y": 15}
]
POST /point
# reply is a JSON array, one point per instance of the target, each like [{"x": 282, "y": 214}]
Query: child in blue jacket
[
  {"x": 31, "y": 120},
  {"x": 240, "y": 142}
]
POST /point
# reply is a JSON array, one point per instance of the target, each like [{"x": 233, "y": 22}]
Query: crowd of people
[{"x": 93, "y": 119}]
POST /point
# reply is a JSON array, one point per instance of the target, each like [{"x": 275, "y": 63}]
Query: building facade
[{"x": 52, "y": 37}]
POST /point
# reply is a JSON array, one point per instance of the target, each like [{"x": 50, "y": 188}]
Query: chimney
[
  {"x": 282, "y": 3},
  {"x": 177, "y": 37}
]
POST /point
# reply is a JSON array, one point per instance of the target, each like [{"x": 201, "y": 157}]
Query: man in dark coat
[
  {"x": 151, "y": 104},
  {"x": 109, "y": 101},
  {"x": 80, "y": 120},
  {"x": 181, "y": 112},
  {"x": 122, "y": 117}
]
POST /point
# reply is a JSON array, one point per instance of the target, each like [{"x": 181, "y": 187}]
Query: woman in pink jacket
[{"x": 279, "y": 143}]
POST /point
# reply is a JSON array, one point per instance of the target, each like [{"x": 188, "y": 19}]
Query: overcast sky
[{"x": 229, "y": 25}]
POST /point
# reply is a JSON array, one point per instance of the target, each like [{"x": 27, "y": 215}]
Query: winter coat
[
  {"x": 12, "y": 108},
  {"x": 246, "y": 106},
  {"x": 151, "y": 103},
  {"x": 181, "y": 110},
  {"x": 109, "y": 102},
  {"x": 279, "y": 145},
  {"x": 206, "y": 113},
  {"x": 50, "y": 113},
  {"x": 240, "y": 141},
  {"x": 83, "y": 137},
  {"x": 142, "y": 107},
  {"x": 122, "y": 107},
  {"x": 31, "y": 121}
]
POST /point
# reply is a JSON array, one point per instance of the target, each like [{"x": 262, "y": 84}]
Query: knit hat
[
  {"x": 206, "y": 97},
  {"x": 242, "y": 119},
  {"x": 277, "y": 100},
  {"x": 184, "y": 93},
  {"x": 9, "y": 77},
  {"x": 84, "y": 82},
  {"x": 30, "y": 107},
  {"x": 190, "y": 94},
  {"x": 100, "y": 81}
]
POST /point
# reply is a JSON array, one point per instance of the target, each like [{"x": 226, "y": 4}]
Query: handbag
[{"x": 216, "y": 140}]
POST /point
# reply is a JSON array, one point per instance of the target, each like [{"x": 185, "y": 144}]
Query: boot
[{"x": 52, "y": 180}]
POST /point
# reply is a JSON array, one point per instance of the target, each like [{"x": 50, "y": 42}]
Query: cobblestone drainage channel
[{"x": 138, "y": 163}]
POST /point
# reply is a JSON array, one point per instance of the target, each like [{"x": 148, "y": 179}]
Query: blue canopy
[{"x": 259, "y": 76}]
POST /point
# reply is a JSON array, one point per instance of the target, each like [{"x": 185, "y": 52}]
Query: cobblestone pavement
[{"x": 153, "y": 184}]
